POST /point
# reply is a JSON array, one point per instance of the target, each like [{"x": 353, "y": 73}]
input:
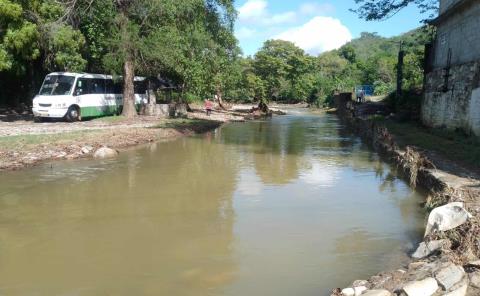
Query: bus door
[{"x": 90, "y": 96}]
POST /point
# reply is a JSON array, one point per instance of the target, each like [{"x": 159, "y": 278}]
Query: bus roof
[{"x": 93, "y": 76}]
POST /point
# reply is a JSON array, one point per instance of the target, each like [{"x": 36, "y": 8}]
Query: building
[{"x": 452, "y": 86}]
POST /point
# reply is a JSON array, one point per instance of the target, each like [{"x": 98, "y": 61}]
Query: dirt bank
[
  {"x": 451, "y": 267},
  {"x": 24, "y": 143}
]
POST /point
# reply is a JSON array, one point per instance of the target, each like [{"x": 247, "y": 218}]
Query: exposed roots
[{"x": 412, "y": 162}]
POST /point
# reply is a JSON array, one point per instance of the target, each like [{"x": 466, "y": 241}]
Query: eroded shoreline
[
  {"x": 25, "y": 143},
  {"x": 448, "y": 261}
]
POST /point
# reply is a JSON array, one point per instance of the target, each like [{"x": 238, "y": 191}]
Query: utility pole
[{"x": 401, "y": 54}]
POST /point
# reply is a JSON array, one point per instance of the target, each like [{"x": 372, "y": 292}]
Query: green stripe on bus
[{"x": 97, "y": 111}]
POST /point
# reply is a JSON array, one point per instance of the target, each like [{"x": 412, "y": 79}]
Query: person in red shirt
[{"x": 208, "y": 106}]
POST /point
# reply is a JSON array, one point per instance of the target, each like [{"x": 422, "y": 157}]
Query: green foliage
[
  {"x": 190, "y": 42},
  {"x": 67, "y": 43},
  {"x": 384, "y": 9},
  {"x": 280, "y": 71}
]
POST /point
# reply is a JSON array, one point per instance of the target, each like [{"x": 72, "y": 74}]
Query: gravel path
[{"x": 17, "y": 128}]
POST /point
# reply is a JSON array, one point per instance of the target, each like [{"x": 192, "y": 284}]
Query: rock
[
  {"x": 423, "y": 271},
  {"x": 459, "y": 290},
  {"x": 87, "y": 149},
  {"x": 424, "y": 287},
  {"x": 426, "y": 249},
  {"x": 348, "y": 292},
  {"x": 447, "y": 217},
  {"x": 359, "y": 290},
  {"x": 359, "y": 283},
  {"x": 377, "y": 293},
  {"x": 475, "y": 279},
  {"x": 449, "y": 275},
  {"x": 61, "y": 154},
  {"x": 105, "y": 152},
  {"x": 415, "y": 265}
]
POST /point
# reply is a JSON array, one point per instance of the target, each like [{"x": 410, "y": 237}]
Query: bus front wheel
[{"x": 73, "y": 114}]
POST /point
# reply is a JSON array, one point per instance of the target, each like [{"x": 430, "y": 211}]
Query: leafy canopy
[{"x": 372, "y": 10}]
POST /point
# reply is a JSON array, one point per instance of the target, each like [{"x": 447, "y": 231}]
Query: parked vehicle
[{"x": 74, "y": 96}]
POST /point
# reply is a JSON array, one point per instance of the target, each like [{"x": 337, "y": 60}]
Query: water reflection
[{"x": 295, "y": 205}]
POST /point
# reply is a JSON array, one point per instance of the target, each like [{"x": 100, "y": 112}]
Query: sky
[{"x": 315, "y": 26}]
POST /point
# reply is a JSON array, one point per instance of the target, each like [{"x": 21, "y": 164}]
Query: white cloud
[
  {"x": 281, "y": 18},
  {"x": 321, "y": 175},
  {"x": 252, "y": 9},
  {"x": 245, "y": 33},
  {"x": 313, "y": 8},
  {"x": 318, "y": 35},
  {"x": 256, "y": 12}
]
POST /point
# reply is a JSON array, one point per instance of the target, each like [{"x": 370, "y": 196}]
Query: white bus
[{"x": 74, "y": 96}]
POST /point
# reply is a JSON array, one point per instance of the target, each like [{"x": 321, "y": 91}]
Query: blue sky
[{"x": 315, "y": 26}]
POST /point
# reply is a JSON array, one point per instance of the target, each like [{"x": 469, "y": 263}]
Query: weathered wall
[
  {"x": 446, "y": 4},
  {"x": 459, "y": 33},
  {"x": 455, "y": 103},
  {"x": 459, "y": 106}
]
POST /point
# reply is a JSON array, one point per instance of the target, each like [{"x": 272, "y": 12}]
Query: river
[{"x": 295, "y": 205}]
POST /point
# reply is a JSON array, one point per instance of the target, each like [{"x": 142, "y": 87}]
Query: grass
[
  {"x": 181, "y": 124},
  {"x": 451, "y": 145},
  {"x": 23, "y": 141},
  {"x": 111, "y": 119}
]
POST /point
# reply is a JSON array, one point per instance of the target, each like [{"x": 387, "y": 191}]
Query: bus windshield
[{"x": 56, "y": 85}]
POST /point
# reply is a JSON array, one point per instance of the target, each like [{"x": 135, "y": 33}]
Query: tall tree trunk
[
  {"x": 128, "y": 89},
  {"x": 220, "y": 99}
]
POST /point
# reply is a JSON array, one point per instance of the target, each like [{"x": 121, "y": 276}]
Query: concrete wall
[
  {"x": 459, "y": 106},
  {"x": 455, "y": 104},
  {"x": 461, "y": 34}
]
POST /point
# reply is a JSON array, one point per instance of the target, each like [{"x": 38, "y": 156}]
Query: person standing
[{"x": 208, "y": 106}]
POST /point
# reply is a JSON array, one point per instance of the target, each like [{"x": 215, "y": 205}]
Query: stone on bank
[
  {"x": 105, "y": 152},
  {"x": 426, "y": 287},
  {"x": 447, "y": 217},
  {"x": 449, "y": 276},
  {"x": 377, "y": 293},
  {"x": 426, "y": 249}
]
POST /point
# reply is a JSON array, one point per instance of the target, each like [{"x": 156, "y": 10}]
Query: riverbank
[
  {"x": 447, "y": 262},
  {"x": 24, "y": 143}
]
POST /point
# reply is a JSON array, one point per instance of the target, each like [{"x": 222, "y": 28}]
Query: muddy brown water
[{"x": 291, "y": 206}]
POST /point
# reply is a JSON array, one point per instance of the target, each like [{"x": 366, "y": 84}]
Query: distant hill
[{"x": 371, "y": 44}]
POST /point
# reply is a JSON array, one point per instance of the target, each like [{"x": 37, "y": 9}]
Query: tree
[
  {"x": 279, "y": 63},
  {"x": 372, "y": 10},
  {"x": 189, "y": 42},
  {"x": 348, "y": 52},
  {"x": 35, "y": 38}
]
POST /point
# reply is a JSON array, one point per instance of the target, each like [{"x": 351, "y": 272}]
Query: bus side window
[
  {"x": 98, "y": 86},
  {"x": 140, "y": 87},
  {"x": 118, "y": 87},
  {"x": 83, "y": 87},
  {"x": 110, "y": 88}
]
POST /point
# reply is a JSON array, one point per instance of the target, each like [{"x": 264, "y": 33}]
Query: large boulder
[
  {"x": 424, "y": 287},
  {"x": 426, "y": 249},
  {"x": 447, "y": 217},
  {"x": 105, "y": 152}
]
